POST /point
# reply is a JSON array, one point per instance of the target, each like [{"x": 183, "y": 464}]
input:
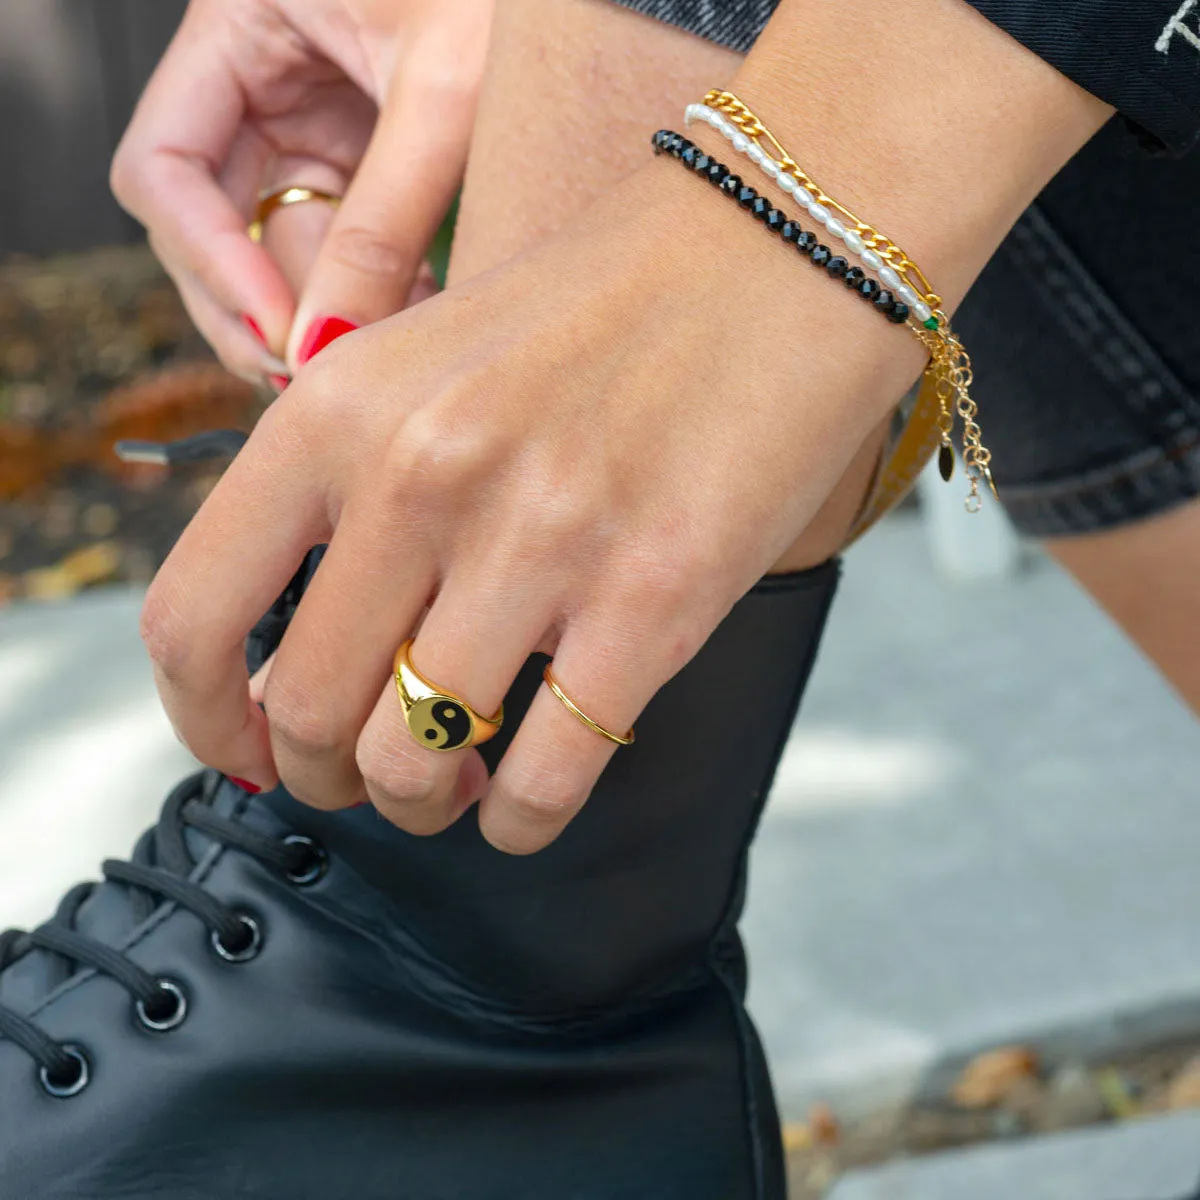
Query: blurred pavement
[
  {"x": 1155, "y": 1159},
  {"x": 985, "y": 829}
]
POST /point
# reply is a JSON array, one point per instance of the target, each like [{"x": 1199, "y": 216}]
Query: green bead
[{"x": 930, "y": 322}]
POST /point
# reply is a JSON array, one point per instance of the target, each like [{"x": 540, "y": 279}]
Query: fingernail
[
  {"x": 254, "y": 327},
  {"x": 245, "y": 785},
  {"x": 279, "y": 382},
  {"x": 320, "y": 333}
]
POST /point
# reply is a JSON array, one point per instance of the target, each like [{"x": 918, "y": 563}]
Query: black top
[{"x": 1141, "y": 56}]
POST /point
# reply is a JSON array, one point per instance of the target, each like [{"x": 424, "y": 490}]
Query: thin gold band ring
[
  {"x": 578, "y": 712},
  {"x": 282, "y": 197}
]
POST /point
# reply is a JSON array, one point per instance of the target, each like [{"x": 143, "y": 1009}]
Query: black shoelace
[{"x": 157, "y": 871}]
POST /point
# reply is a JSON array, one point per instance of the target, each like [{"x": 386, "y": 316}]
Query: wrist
[
  {"x": 760, "y": 295},
  {"x": 937, "y": 128}
]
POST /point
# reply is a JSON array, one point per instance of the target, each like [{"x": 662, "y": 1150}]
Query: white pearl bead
[
  {"x": 871, "y": 260},
  {"x": 819, "y": 212},
  {"x": 788, "y": 184},
  {"x": 756, "y": 155},
  {"x": 921, "y": 310},
  {"x": 835, "y": 227},
  {"x": 770, "y": 169},
  {"x": 741, "y": 143},
  {"x": 854, "y": 241},
  {"x": 805, "y": 196},
  {"x": 890, "y": 279},
  {"x": 907, "y": 295},
  {"x": 690, "y": 114}
]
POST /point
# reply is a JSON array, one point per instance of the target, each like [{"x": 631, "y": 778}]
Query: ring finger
[{"x": 470, "y": 647}]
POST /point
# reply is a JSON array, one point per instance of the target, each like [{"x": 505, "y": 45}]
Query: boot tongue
[{"x": 113, "y": 910}]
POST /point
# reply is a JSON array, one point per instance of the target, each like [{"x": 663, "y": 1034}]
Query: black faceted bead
[
  {"x": 854, "y": 276},
  {"x": 715, "y": 171},
  {"x": 659, "y": 140},
  {"x": 821, "y": 255},
  {"x": 806, "y": 241},
  {"x": 746, "y": 195},
  {"x": 701, "y": 163},
  {"x": 837, "y": 266},
  {"x": 775, "y": 220},
  {"x": 868, "y": 289},
  {"x": 690, "y": 154},
  {"x": 884, "y": 300},
  {"x": 898, "y": 313},
  {"x": 678, "y": 145},
  {"x": 730, "y": 184},
  {"x": 790, "y": 231},
  {"x": 761, "y": 207}
]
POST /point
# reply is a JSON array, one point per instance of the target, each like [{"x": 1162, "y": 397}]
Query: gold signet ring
[{"x": 438, "y": 719}]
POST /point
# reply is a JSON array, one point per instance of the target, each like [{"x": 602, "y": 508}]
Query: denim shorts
[{"x": 1083, "y": 330}]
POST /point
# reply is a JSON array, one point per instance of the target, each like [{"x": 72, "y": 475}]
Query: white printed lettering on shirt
[{"x": 1176, "y": 26}]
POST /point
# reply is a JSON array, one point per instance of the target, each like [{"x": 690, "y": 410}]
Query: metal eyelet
[
  {"x": 246, "y": 953},
  {"x": 72, "y": 1087},
  {"x": 177, "y": 1011},
  {"x": 318, "y": 862}
]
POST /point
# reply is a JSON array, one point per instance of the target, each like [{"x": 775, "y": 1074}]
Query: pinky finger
[{"x": 555, "y": 759}]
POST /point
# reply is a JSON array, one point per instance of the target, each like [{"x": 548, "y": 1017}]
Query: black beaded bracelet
[{"x": 666, "y": 141}]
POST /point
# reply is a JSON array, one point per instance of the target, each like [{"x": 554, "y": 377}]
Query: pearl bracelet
[
  {"x": 945, "y": 389},
  {"x": 871, "y": 259}
]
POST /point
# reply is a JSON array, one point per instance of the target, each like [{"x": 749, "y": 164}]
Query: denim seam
[
  {"x": 1093, "y": 320},
  {"x": 1139, "y": 378},
  {"x": 1103, "y": 498}
]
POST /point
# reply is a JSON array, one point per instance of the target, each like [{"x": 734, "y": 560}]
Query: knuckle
[
  {"x": 559, "y": 511},
  {"x": 162, "y": 631},
  {"x": 368, "y": 252},
  {"x": 436, "y": 452},
  {"x": 123, "y": 176},
  {"x": 405, "y": 787},
  {"x": 543, "y": 797},
  {"x": 544, "y": 810},
  {"x": 314, "y": 415},
  {"x": 300, "y": 724}
]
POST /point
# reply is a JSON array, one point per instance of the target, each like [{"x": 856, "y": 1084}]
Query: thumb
[{"x": 384, "y": 225}]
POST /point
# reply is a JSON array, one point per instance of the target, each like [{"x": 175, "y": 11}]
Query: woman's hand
[
  {"x": 257, "y": 94},
  {"x": 595, "y": 450}
]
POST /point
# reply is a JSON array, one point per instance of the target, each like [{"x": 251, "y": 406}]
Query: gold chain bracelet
[{"x": 946, "y": 387}]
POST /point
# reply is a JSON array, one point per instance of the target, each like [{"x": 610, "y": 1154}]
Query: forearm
[{"x": 924, "y": 118}]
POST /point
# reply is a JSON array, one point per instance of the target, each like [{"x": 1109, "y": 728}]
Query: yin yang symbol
[{"x": 439, "y": 723}]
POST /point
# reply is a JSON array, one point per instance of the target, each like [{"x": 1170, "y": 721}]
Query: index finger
[
  {"x": 234, "y": 558},
  {"x": 167, "y": 169}
]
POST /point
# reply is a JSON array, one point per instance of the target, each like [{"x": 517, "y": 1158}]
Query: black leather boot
[{"x": 270, "y": 1002}]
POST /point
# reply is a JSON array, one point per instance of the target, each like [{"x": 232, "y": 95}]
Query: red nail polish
[
  {"x": 245, "y": 785},
  {"x": 320, "y": 333},
  {"x": 279, "y": 382},
  {"x": 254, "y": 327}
]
